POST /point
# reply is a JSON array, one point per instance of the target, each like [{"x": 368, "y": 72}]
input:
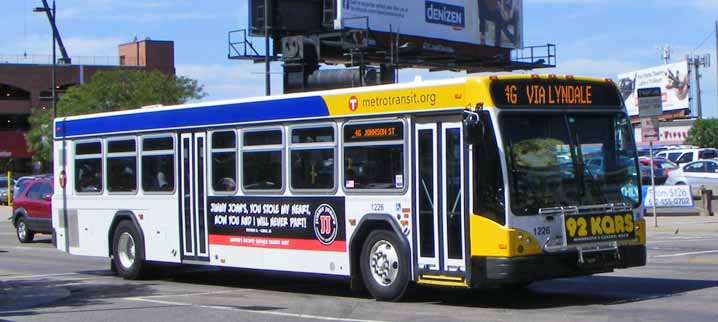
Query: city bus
[{"x": 479, "y": 182}]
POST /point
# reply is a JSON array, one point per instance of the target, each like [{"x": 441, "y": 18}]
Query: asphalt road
[{"x": 39, "y": 283}]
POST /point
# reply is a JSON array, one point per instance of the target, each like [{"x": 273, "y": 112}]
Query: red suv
[{"x": 32, "y": 209}]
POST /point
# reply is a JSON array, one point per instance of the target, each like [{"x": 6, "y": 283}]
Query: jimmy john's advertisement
[
  {"x": 599, "y": 228},
  {"x": 288, "y": 223}
]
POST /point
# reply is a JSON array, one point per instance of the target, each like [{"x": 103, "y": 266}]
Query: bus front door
[
  {"x": 193, "y": 214},
  {"x": 439, "y": 200}
]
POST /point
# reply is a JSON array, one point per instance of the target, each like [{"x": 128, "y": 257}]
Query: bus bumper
[{"x": 498, "y": 271}]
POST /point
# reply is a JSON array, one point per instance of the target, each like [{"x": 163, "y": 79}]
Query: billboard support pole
[{"x": 267, "y": 86}]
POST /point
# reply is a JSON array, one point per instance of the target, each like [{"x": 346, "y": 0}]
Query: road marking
[
  {"x": 185, "y": 295},
  {"x": 52, "y": 249},
  {"x": 686, "y": 254},
  {"x": 234, "y": 309},
  {"x": 663, "y": 241},
  {"x": 38, "y": 276}
]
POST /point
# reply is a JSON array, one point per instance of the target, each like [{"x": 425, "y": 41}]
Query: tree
[
  {"x": 704, "y": 133},
  {"x": 107, "y": 91}
]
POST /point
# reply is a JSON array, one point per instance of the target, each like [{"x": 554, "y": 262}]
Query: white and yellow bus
[{"x": 468, "y": 183}]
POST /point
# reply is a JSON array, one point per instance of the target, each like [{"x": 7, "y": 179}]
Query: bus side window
[
  {"x": 374, "y": 156},
  {"x": 262, "y": 160},
  {"x": 224, "y": 161},
  {"x": 88, "y": 167},
  {"x": 312, "y": 156},
  {"x": 158, "y": 169},
  {"x": 121, "y": 166}
]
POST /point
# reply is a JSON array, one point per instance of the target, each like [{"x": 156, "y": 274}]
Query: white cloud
[
  {"x": 83, "y": 50},
  {"x": 232, "y": 80},
  {"x": 607, "y": 68}
]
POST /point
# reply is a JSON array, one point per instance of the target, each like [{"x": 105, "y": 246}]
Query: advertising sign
[
  {"x": 477, "y": 22},
  {"x": 668, "y": 196},
  {"x": 671, "y": 79},
  {"x": 598, "y": 227},
  {"x": 649, "y": 129},
  {"x": 282, "y": 223}
]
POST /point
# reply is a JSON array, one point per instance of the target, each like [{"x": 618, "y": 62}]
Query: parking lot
[{"x": 39, "y": 283}]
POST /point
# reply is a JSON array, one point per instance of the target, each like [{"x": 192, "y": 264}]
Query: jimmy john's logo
[
  {"x": 325, "y": 224},
  {"x": 598, "y": 228}
]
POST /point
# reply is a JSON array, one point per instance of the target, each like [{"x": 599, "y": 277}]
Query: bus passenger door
[
  {"x": 439, "y": 199},
  {"x": 192, "y": 197}
]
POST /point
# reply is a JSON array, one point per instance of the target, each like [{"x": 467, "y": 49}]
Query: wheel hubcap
[
  {"x": 21, "y": 232},
  {"x": 384, "y": 262},
  {"x": 126, "y": 250}
]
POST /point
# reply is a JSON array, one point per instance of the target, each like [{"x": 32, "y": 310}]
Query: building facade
[{"x": 25, "y": 86}]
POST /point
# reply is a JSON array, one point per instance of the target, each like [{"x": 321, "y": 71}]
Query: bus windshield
[{"x": 564, "y": 159}]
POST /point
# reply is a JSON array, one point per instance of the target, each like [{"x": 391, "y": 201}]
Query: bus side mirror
[{"x": 473, "y": 127}]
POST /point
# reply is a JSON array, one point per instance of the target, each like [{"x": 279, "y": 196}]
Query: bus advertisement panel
[{"x": 276, "y": 222}]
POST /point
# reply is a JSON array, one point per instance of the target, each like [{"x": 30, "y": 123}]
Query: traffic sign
[
  {"x": 650, "y": 102},
  {"x": 649, "y": 129}
]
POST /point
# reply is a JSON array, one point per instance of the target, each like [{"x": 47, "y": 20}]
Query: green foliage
[
  {"x": 108, "y": 91},
  {"x": 704, "y": 133}
]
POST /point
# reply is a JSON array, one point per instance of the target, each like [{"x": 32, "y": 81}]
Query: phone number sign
[{"x": 668, "y": 196}]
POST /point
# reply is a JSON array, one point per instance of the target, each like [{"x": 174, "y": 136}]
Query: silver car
[
  {"x": 3, "y": 189},
  {"x": 697, "y": 174}
]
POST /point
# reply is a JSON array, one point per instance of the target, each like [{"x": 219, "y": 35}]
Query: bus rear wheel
[
  {"x": 383, "y": 266},
  {"x": 128, "y": 252}
]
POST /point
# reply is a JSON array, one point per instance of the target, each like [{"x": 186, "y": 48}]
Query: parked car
[
  {"x": 696, "y": 173},
  {"x": 32, "y": 209},
  {"x": 20, "y": 184},
  {"x": 682, "y": 156},
  {"x": 3, "y": 189},
  {"x": 661, "y": 168}
]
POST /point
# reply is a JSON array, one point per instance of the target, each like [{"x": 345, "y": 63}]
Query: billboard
[
  {"x": 672, "y": 79},
  {"x": 478, "y": 22}
]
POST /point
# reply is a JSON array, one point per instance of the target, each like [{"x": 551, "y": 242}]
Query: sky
[{"x": 593, "y": 37}]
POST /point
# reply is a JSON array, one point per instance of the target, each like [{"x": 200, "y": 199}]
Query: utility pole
[
  {"x": 716, "y": 34},
  {"x": 697, "y": 62}
]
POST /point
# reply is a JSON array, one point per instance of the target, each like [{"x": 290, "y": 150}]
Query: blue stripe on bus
[{"x": 293, "y": 108}]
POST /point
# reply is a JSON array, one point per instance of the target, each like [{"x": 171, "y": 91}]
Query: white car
[
  {"x": 687, "y": 155},
  {"x": 696, "y": 174}
]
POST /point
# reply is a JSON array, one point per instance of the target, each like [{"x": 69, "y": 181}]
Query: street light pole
[{"x": 54, "y": 61}]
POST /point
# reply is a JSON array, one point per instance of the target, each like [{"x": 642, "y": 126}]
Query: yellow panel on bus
[{"x": 398, "y": 100}]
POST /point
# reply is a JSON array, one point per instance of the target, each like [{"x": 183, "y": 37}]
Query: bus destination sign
[
  {"x": 554, "y": 93},
  {"x": 388, "y": 131}
]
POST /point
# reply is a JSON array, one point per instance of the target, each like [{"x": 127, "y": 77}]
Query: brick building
[{"x": 24, "y": 86}]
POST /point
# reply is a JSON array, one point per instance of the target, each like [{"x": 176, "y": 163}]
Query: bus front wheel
[
  {"x": 383, "y": 266},
  {"x": 128, "y": 253}
]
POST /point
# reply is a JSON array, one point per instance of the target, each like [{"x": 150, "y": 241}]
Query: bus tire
[
  {"x": 383, "y": 265},
  {"x": 128, "y": 252},
  {"x": 24, "y": 234}
]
